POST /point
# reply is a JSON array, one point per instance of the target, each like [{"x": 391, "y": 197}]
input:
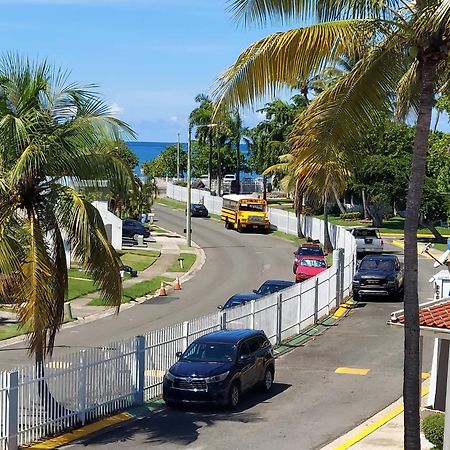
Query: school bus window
[{"x": 252, "y": 207}]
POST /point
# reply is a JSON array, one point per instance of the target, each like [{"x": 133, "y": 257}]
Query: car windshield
[
  {"x": 257, "y": 207},
  {"x": 209, "y": 352},
  {"x": 312, "y": 263},
  {"x": 266, "y": 289},
  {"x": 366, "y": 233},
  {"x": 377, "y": 264},
  {"x": 310, "y": 251}
]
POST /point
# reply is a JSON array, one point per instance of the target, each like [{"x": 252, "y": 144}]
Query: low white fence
[{"x": 77, "y": 388}]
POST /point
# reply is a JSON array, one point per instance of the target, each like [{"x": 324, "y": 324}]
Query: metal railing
[{"x": 77, "y": 388}]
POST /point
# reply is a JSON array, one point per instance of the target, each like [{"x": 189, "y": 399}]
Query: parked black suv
[
  {"x": 379, "y": 275},
  {"x": 220, "y": 366}
]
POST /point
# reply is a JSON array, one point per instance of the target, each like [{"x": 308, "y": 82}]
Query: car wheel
[
  {"x": 267, "y": 382},
  {"x": 240, "y": 229},
  {"x": 400, "y": 295},
  {"x": 227, "y": 225},
  {"x": 356, "y": 296},
  {"x": 170, "y": 404},
  {"x": 234, "y": 396}
]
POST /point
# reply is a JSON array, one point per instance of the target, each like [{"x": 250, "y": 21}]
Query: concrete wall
[{"x": 113, "y": 224}]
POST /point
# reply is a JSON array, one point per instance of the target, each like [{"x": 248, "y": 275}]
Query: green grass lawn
[
  {"x": 139, "y": 259},
  {"x": 79, "y": 288},
  {"x": 289, "y": 237},
  {"x": 171, "y": 203},
  {"x": 138, "y": 290},
  {"x": 8, "y": 331},
  {"x": 189, "y": 260}
]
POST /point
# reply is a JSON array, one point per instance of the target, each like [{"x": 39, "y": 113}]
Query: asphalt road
[
  {"x": 234, "y": 263},
  {"x": 310, "y": 404}
]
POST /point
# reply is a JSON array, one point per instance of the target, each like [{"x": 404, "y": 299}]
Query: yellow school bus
[{"x": 242, "y": 212}]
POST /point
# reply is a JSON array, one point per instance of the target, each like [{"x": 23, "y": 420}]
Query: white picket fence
[{"x": 77, "y": 388}]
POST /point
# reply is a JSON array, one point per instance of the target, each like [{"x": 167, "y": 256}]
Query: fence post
[
  {"x": 316, "y": 300},
  {"x": 252, "y": 314},
  {"x": 279, "y": 318},
  {"x": 223, "y": 320},
  {"x": 341, "y": 298},
  {"x": 337, "y": 262},
  {"x": 185, "y": 335},
  {"x": 82, "y": 388},
  {"x": 139, "y": 345},
  {"x": 299, "y": 307},
  {"x": 12, "y": 410}
]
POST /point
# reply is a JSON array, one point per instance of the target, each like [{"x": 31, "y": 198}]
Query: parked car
[
  {"x": 219, "y": 367},
  {"x": 306, "y": 250},
  {"x": 367, "y": 240},
  {"x": 379, "y": 275},
  {"x": 239, "y": 299},
  {"x": 131, "y": 227},
  {"x": 228, "y": 178},
  {"x": 309, "y": 266},
  {"x": 199, "y": 210},
  {"x": 271, "y": 286}
]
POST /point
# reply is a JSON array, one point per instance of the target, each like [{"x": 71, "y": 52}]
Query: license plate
[
  {"x": 255, "y": 226},
  {"x": 372, "y": 282},
  {"x": 368, "y": 241}
]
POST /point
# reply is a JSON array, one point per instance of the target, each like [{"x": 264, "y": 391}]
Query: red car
[
  {"x": 306, "y": 250},
  {"x": 309, "y": 266}
]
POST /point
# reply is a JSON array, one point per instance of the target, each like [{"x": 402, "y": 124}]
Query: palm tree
[
  {"x": 52, "y": 137},
  {"x": 404, "y": 54}
]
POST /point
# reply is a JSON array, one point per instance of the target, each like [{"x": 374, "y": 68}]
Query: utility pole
[
  {"x": 188, "y": 200},
  {"x": 178, "y": 156},
  {"x": 219, "y": 175}
]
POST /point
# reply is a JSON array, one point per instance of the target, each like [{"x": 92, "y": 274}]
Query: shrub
[
  {"x": 351, "y": 215},
  {"x": 433, "y": 429}
]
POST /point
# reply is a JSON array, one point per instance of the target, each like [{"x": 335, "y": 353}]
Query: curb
[
  {"x": 197, "y": 266},
  {"x": 157, "y": 405}
]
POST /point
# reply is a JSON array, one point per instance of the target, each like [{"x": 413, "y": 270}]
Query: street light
[{"x": 188, "y": 176}]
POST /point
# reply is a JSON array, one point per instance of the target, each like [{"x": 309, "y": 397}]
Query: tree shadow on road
[{"x": 180, "y": 426}]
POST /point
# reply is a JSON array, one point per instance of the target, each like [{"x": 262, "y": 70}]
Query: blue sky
[{"x": 150, "y": 58}]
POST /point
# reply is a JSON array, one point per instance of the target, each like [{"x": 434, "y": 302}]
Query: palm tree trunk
[
  {"x": 364, "y": 202},
  {"x": 238, "y": 164},
  {"x": 327, "y": 245},
  {"x": 411, "y": 379},
  {"x": 336, "y": 197}
]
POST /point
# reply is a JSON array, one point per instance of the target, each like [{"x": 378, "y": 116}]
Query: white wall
[{"x": 110, "y": 219}]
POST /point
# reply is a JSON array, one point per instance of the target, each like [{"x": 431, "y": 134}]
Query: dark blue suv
[{"x": 220, "y": 366}]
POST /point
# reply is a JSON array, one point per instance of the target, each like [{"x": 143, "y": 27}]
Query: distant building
[{"x": 113, "y": 224}]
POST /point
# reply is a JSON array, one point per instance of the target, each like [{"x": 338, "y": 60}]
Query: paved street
[
  {"x": 310, "y": 404},
  {"x": 234, "y": 263}
]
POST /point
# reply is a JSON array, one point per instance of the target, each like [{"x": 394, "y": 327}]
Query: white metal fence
[{"x": 77, "y": 388}]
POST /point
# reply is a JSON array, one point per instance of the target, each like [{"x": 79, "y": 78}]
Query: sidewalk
[
  {"x": 382, "y": 431},
  {"x": 168, "y": 243}
]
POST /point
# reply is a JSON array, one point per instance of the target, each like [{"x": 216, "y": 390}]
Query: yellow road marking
[
  {"x": 352, "y": 371},
  {"x": 82, "y": 432},
  {"x": 342, "y": 309},
  {"x": 375, "y": 425},
  {"x": 401, "y": 244}
]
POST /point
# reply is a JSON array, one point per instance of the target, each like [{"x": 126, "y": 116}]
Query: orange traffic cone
[
  {"x": 162, "y": 290},
  {"x": 177, "y": 286}
]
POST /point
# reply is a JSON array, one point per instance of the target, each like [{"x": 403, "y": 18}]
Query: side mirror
[
  {"x": 295, "y": 254},
  {"x": 220, "y": 307},
  {"x": 178, "y": 354},
  {"x": 243, "y": 359},
  {"x": 255, "y": 291},
  {"x": 325, "y": 253}
]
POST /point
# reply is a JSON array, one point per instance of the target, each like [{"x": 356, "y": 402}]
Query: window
[
  {"x": 377, "y": 264},
  {"x": 210, "y": 352},
  {"x": 255, "y": 207},
  {"x": 310, "y": 251},
  {"x": 244, "y": 350},
  {"x": 313, "y": 263},
  {"x": 366, "y": 233}
]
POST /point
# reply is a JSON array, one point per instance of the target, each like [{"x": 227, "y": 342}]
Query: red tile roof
[{"x": 437, "y": 316}]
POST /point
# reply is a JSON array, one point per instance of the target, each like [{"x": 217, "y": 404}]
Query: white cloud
[{"x": 115, "y": 109}]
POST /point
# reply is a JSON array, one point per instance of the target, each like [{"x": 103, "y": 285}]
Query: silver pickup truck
[{"x": 368, "y": 240}]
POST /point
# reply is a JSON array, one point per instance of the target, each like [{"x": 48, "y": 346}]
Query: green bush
[
  {"x": 433, "y": 429},
  {"x": 351, "y": 215}
]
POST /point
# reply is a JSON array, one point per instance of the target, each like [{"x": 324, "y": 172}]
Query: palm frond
[
  {"x": 282, "y": 59},
  {"x": 262, "y": 11},
  {"x": 90, "y": 246},
  {"x": 407, "y": 92}
]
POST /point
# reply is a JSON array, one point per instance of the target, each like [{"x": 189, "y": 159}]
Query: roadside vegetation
[{"x": 188, "y": 261}]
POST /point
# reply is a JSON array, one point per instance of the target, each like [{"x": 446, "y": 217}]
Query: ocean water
[{"x": 146, "y": 151}]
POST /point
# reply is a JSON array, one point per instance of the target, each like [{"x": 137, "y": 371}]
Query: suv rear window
[
  {"x": 366, "y": 233},
  {"x": 309, "y": 251}
]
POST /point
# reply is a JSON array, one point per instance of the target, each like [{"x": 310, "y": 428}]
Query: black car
[
  {"x": 379, "y": 275},
  {"x": 131, "y": 227},
  {"x": 199, "y": 210},
  {"x": 271, "y": 286},
  {"x": 220, "y": 366},
  {"x": 239, "y": 299}
]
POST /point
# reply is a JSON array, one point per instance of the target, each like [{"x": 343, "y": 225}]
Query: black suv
[
  {"x": 220, "y": 366},
  {"x": 379, "y": 275},
  {"x": 131, "y": 227}
]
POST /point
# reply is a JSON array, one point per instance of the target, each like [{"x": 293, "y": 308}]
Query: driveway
[{"x": 310, "y": 404}]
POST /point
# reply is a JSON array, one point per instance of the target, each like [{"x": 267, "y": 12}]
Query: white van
[{"x": 228, "y": 178}]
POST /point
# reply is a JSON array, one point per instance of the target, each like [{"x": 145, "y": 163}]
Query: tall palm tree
[
  {"x": 404, "y": 55},
  {"x": 52, "y": 137}
]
